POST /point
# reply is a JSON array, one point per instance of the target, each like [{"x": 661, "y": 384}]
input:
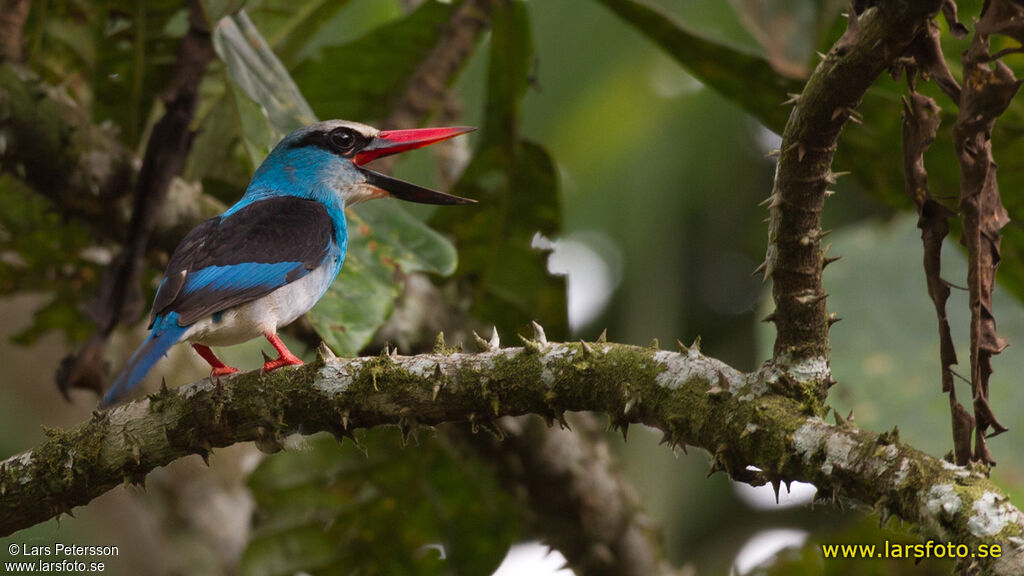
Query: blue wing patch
[
  {"x": 246, "y": 276},
  {"x": 237, "y": 258}
]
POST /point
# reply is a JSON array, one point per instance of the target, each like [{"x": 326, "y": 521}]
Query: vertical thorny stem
[
  {"x": 874, "y": 39},
  {"x": 988, "y": 91}
]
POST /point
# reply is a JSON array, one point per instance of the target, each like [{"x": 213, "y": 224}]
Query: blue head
[{"x": 324, "y": 162}]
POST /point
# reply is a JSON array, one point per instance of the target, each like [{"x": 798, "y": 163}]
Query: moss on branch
[{"x": 693, "y": 399}]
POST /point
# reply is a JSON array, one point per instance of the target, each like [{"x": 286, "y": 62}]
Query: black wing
[{"x": 231, "y": 260}]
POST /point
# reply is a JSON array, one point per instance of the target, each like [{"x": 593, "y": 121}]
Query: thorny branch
[
  {"x": 739, "y": 418},
  {"x": 875, "y": 37}
]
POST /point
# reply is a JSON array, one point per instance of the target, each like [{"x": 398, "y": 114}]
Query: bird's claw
[
  {"x": 216, "y": 373},
  {"x": 270, "y": 365},
  {"x": 223, "y": 371}
]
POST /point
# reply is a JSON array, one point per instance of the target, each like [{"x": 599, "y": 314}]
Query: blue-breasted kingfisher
[{"x": 269, "y": 258}]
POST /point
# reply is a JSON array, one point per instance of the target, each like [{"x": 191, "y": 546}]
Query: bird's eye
[{"x": 343, "y": 140}]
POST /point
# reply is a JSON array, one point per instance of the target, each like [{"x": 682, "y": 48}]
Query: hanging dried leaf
[
  {"x": 927, "y": 52},
  {"x": 988, "y": 91},
  {"x": 921, "y": 119}
]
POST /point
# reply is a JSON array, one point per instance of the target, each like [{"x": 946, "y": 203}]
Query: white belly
[{"x": 264, "y": 315}]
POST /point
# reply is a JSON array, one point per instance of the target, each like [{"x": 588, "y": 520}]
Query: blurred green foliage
[
  {"x": 363, "y": 79},
  {"x": 376, "y": 509},
  {"x": 44, "y": 255},
  {"x": 515, "y": 179}
]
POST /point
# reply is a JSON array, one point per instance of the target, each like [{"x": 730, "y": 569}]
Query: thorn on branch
[
  {"x": 481, "y": 344},
  {"x": 324, "y": 353},
  {"x": 531, "y": 346},
  {"x": 538, "y": 334},
  {"x": 761, "y": 268},
  {"x": 588, "y": 350},
  {"x": 832, "y": 177},
  {"x": 791, "y": 100},
  {"x": 439, "y": 345}
]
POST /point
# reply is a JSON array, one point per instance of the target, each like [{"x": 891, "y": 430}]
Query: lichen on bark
[{"x": 691, "y": 398}]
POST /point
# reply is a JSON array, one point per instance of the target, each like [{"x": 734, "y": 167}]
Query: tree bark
[
  {"x": 874, "y": 39},
  {"x": 692, "y": 398}
]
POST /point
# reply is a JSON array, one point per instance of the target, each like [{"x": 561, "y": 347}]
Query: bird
[{"x": 271, "y": 256}]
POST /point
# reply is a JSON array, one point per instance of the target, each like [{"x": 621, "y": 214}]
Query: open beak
[{"x": 394, "y": 141}]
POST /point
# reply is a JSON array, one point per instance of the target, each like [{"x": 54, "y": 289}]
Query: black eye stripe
[{"x": 342, "y": 141}]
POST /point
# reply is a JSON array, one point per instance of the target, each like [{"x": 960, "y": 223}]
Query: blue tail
[{"x": 165, "y": 334}]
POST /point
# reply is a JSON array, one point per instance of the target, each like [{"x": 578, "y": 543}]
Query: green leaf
[
  {"x": 403, "y": 239},
  {"x": 516, "y": 183},
  {"x": 744, "y": 78},
  {"x": 263, "y": 80},
  {"x": 214, "y": 153},
  {"x": 383, "y": 237},
  {"x": 290, "y": 26},
  {"x": 362, "y": 80},
  {"x": 335, "y": 510}
]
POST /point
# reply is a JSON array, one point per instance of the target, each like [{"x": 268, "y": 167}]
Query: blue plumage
[
  {"x": 166, "y": 333},
  {"x": 245, "y": 276},
  {"x": 270, "y": 257}
]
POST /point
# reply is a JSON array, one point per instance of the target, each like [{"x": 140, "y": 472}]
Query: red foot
[
  {"x": 223, "y": 371},
  {"x": 218, "y": 368},
  {"x": 284, "y": 355}
]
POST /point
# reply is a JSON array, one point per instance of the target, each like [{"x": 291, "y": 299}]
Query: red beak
[{"x": 395, "y": 141}]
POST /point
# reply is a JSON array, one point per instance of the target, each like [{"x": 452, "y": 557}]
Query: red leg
[
  {"x": 284, "y": 355},
  {"x": 218, "y": 368}
]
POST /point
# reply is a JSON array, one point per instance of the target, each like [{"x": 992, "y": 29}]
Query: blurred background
[{"x": 628, "y": 188}]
